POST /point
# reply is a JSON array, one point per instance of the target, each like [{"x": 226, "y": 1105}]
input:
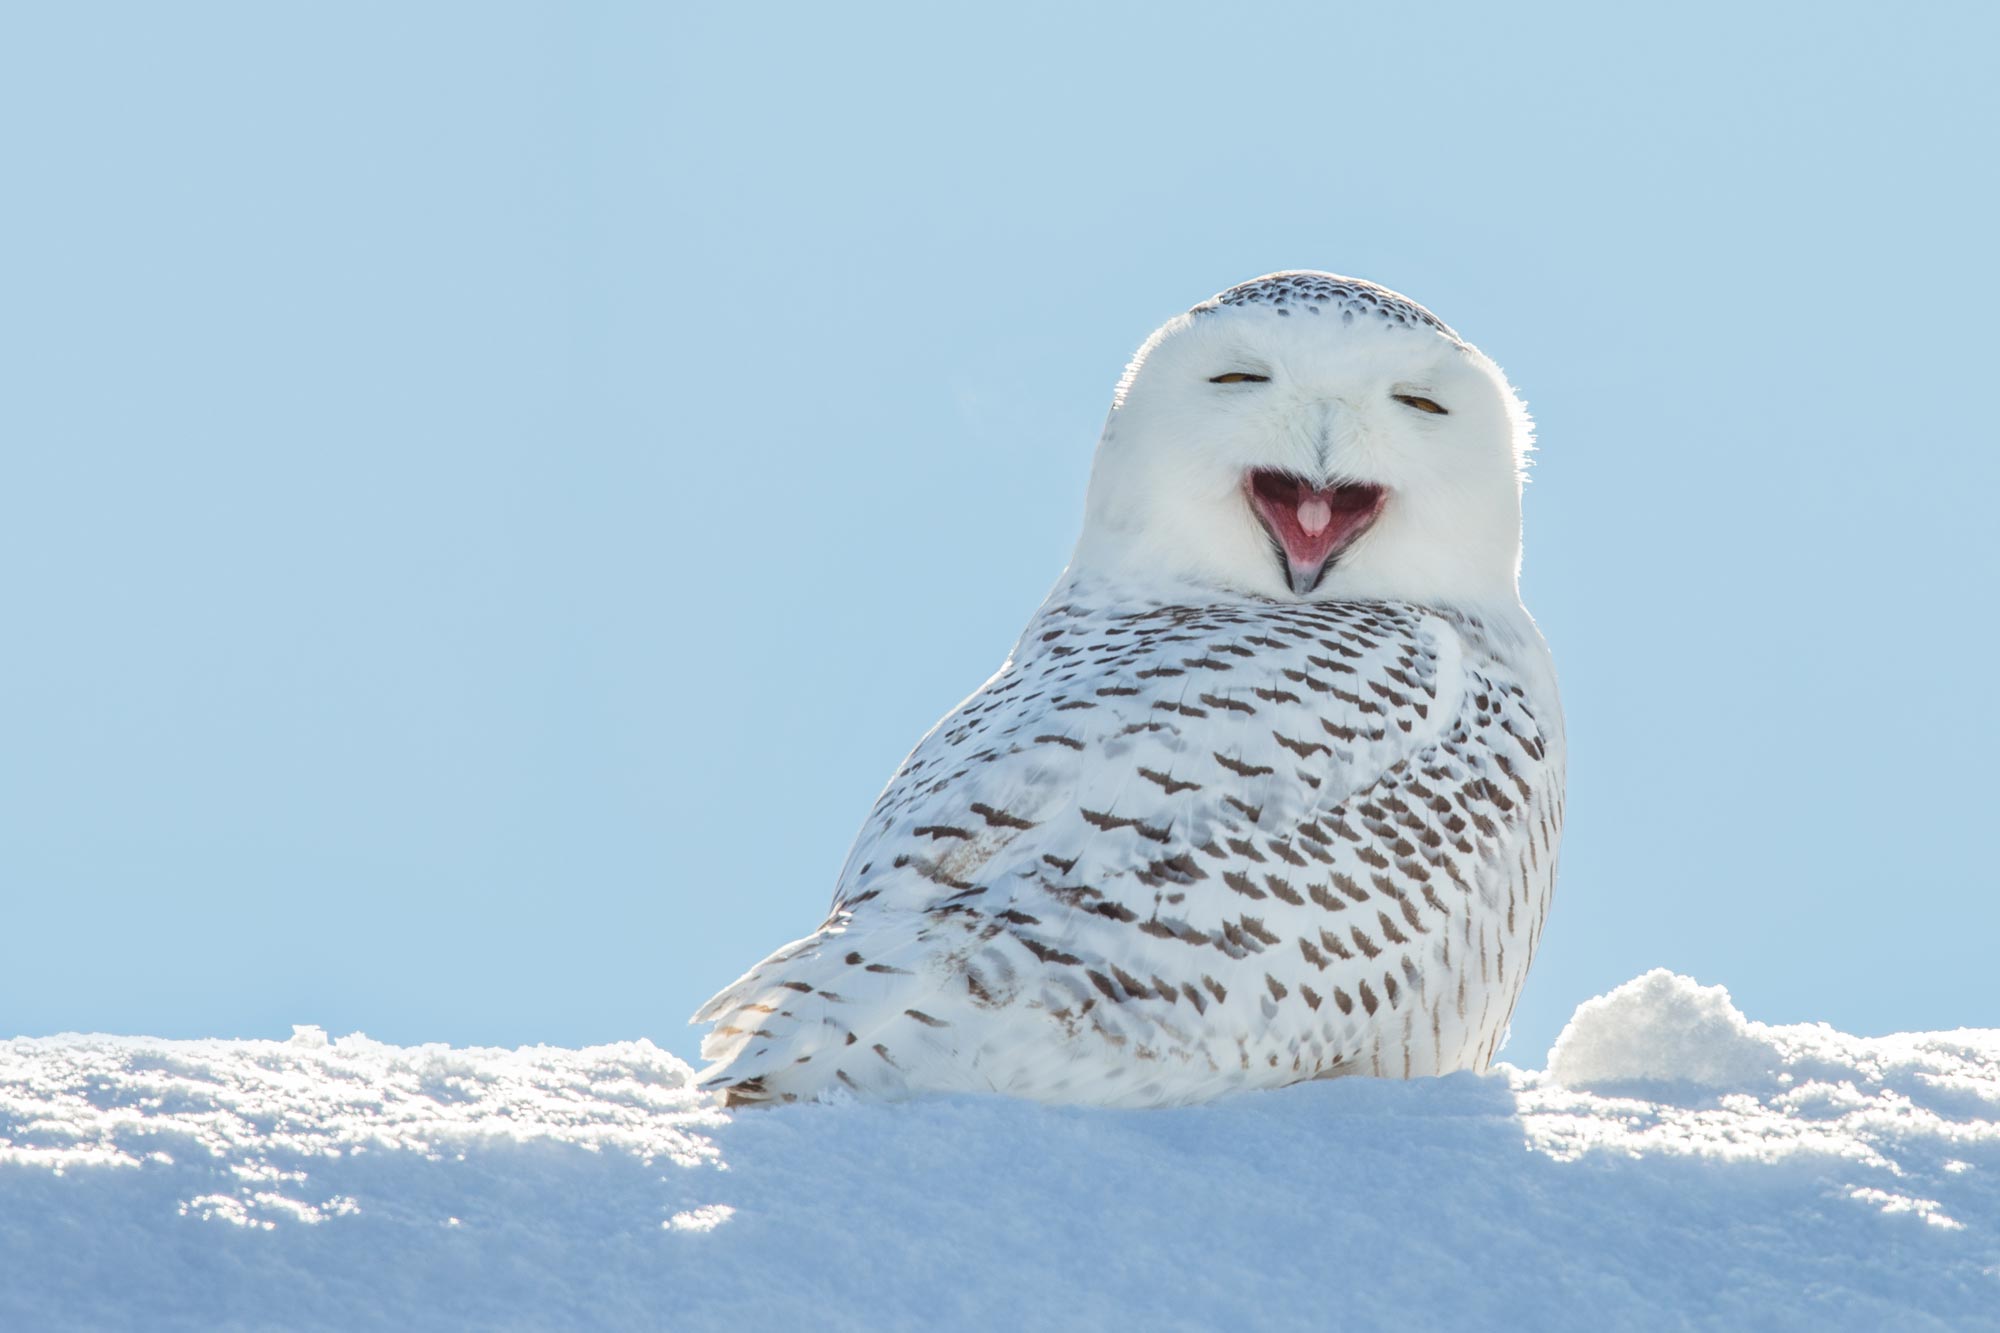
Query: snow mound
[
  {"x": 1663, "y": 1028},
  {"x": 1680, "y": 1167}
]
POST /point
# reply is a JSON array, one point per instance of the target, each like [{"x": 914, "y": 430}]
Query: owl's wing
[{"x": 1117, "y": 816}]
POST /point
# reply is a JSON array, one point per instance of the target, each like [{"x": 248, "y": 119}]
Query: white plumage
[{"x": 1270, "y": 788}]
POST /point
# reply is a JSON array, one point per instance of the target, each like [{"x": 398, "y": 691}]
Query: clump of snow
[
  {"x": 701, "y": 1219},
  {"x": 1663, "y": 1028},
  {"x": 1817, "y": 1180}
]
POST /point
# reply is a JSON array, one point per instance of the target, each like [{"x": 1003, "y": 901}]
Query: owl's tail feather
[{"x": 814, "y": 1017}]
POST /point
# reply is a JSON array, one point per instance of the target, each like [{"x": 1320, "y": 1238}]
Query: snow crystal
[{"x": 1679, "y": 1166}]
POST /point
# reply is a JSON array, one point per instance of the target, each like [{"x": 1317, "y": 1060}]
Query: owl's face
[{"x": 1311, "y": 449}]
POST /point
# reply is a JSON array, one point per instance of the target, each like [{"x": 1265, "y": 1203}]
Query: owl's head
[{"x": 1307, "y": 436}]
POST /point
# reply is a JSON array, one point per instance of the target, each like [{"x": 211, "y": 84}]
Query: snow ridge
[{"x": 1678, "y": 1166}]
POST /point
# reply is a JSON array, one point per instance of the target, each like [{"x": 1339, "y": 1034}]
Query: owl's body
[{"x": 1204, "y": 832}]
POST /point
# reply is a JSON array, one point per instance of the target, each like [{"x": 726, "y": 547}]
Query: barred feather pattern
[{"x": 1173, "y": 850}]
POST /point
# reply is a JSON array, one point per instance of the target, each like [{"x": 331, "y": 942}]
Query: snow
[
  {"x": 1664, "y": 1029},
  {"x": 1677, "y": 1166}
]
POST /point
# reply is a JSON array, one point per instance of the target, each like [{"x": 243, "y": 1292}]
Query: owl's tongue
[{"x": 1309, "y": 523}]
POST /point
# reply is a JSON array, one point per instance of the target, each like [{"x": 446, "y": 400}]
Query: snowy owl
[{"x": 1271, "y": 787}]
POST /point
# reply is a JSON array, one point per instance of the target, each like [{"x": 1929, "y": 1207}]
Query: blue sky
[{"x": 492, "y": 491}]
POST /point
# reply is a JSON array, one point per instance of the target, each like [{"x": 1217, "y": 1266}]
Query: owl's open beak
[{"x": 1310, "y": 525}]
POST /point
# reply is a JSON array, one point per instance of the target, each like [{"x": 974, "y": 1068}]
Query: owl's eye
[
  {"x": 1239, "y": 377},
  {"x": 1421, "y": 404}
]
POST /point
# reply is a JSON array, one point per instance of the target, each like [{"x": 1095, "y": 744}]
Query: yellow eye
[
  {"x": 1239, "y": 377},
  {"x": 1421, "y": 404}
]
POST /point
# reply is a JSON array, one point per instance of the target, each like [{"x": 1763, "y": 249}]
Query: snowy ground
[{"x": 1676, "y": 1167}]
